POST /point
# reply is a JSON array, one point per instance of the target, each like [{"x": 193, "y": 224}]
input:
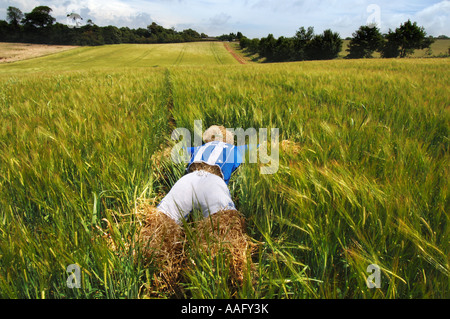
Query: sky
[{"x": 254, "y": 18}]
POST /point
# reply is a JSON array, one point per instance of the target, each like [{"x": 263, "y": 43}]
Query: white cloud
[
  {"x": 435, "y": 19},
  {"x": 255, "y": 18},
  {"x": 219, "y": 19},
  {"x": 102, "y": 12}
]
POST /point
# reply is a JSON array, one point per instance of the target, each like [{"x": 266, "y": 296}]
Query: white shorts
[{"x": 196, "y": 190}]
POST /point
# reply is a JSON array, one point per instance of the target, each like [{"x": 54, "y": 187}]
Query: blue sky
[{"x": 254, "y": 18}]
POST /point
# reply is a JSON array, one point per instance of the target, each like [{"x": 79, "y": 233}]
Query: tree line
[
  {"x": 38, "y": 26},
  {"x": 305, "y": 45}
]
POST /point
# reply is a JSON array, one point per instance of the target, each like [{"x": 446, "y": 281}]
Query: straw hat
[{"x": 218, "y": 133}]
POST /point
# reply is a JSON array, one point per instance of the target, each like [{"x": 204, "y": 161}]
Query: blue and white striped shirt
[{"x": 226, "y": 156}]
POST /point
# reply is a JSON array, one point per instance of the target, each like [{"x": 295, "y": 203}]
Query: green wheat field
[{"x": 368, "y": 182}]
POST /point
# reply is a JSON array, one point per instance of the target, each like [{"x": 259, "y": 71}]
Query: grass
[
  {"x": 122, "y": 56},
  {"x": 368, "y": 184},
  {"x": 71, "y": 164}
]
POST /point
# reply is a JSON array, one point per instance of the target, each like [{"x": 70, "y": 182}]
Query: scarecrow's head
[{"x": 218, "y": 133}]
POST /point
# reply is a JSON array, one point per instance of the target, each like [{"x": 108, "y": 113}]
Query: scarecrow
[{"x": 203, "y": 188}]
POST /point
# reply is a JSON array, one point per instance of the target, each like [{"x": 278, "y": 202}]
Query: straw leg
[{"x": 162, "y": 243}]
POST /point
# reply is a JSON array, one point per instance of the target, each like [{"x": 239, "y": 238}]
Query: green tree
[
  {"x": 155, "y": 28},
  {"x": 39, "y": 18},
  {"x": 405, "y": 39},
  {"x": 227, "y": 37},
  {"x": 253, "y": 45},
  {"x": 5, "y": 30},
  {"x": 60, "y": 34},
  {"x": 127, "y": 35},
  {"x": 14, "y": 16},
  {"x": 90, "y": 35},
  {"x": 301, "y": 40},
  {"x": 284, "y": 49},
  {"x": 112, "y": 35},
  {"x": 365, "y": 41},
  {"x": 244, "y": 42},
  {"x": 324, "y": 46},
  {"x": 390, "y": 47},
  {"x": 267, "y": 46},
  {"x": 189, "y": 35}
]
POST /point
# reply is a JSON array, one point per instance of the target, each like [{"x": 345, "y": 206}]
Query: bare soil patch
[
  {"x": 236, "y": 56},
  {"x": 11, "y": 52}
]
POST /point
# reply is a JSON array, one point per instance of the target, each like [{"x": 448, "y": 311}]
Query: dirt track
[{"x": 237, "y": 57}]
